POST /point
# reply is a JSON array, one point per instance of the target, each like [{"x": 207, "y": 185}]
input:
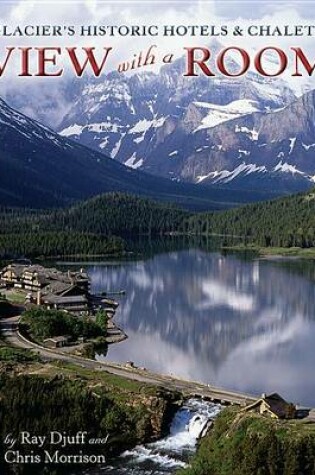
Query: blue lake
[{"x": 243, "y": 324}]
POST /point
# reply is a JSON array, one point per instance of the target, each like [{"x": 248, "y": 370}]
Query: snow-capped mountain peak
[{"x": 202, "y": 130}]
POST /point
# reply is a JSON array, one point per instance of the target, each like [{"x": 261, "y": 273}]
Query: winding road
[{"x": 10, "y": 329}]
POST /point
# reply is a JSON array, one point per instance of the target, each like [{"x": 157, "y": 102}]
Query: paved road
[
  {"x": 188, "y": 388},
  {"x": 9, "y": 324}
]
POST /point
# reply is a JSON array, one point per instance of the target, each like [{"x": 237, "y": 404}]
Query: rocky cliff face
[
  {"x": 266, "y": 144},
  {"x": 159, "y": 409}
]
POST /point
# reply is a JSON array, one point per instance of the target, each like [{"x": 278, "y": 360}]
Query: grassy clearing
[
  {"x": 14, "y": 296},
  {"x": 114, "y": 384}
]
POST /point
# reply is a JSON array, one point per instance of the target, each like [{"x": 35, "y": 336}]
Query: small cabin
[
  {"x": 274, "y": 406},
  {"x": 56, "y": 341}
]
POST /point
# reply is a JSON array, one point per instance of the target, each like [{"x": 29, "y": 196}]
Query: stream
[{"x": 171, "y": 453}]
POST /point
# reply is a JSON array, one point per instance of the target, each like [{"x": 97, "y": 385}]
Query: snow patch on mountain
[
  {"x": 117, "y": 146},
  {"x": 225, "y": 176},
  {"x": 141, "y": 126},
  {"x": 104, "y": 143},
  {"x": 144, "y": 125},
  {"x": 218, "y": 114},
  {"x": 139, "y": 139},
  {"x": 292, "y": 144},
  {"x": 287, "y": 168},
  {"x": 251, "y": 133},
  {"x": 103, "y": 127},
  {"x": 77, "y": 130},
  {"x": 246, "y": 169},
  {"x": 134, "y": 162},
  {"x": 244, "y": 152},
  {"x": 308, "y": 147}
]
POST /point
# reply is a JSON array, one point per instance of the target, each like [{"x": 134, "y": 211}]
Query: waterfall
[
  {"x": 198, "y": 426},
  {"x": 165, "y": 456}
]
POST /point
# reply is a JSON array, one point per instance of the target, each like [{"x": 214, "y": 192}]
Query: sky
[{"x": 135, "y": 12}]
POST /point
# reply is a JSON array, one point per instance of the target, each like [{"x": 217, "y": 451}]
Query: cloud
[{"x": 232, "y": 9}]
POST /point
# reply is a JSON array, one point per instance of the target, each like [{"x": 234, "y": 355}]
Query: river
[{"x": 166, "y": 456}]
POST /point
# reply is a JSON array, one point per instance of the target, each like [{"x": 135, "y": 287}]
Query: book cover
[{"x": 157, "y": 237}]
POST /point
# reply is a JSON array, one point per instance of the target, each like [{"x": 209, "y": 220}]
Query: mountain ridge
[
  {"x": 39, "y": 168},
  {"x": 160, "y": 123}
]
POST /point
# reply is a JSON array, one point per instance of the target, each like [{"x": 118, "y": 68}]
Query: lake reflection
[{"x": 245, "y": 325}]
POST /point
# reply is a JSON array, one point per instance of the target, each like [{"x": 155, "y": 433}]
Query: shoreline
[
  {"x": 129, "y": 372},
  {"x": 273, "y": 252}
]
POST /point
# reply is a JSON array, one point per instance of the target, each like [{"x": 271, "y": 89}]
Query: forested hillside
[
  {"x": 99, "y": 225},
  {"x": 285, "y": 222},
  {"x": 111, "y": 213},
  {"x": 89, "y": 227},
  {"x": 120, "y": 214},
  {"x": 53, "y": 244}
]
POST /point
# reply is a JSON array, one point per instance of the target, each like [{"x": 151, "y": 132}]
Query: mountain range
[
  {"x": 204, "y": 143},
  {"x": 39, "y": 168},
  {"x": 248, "y": 132}
]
